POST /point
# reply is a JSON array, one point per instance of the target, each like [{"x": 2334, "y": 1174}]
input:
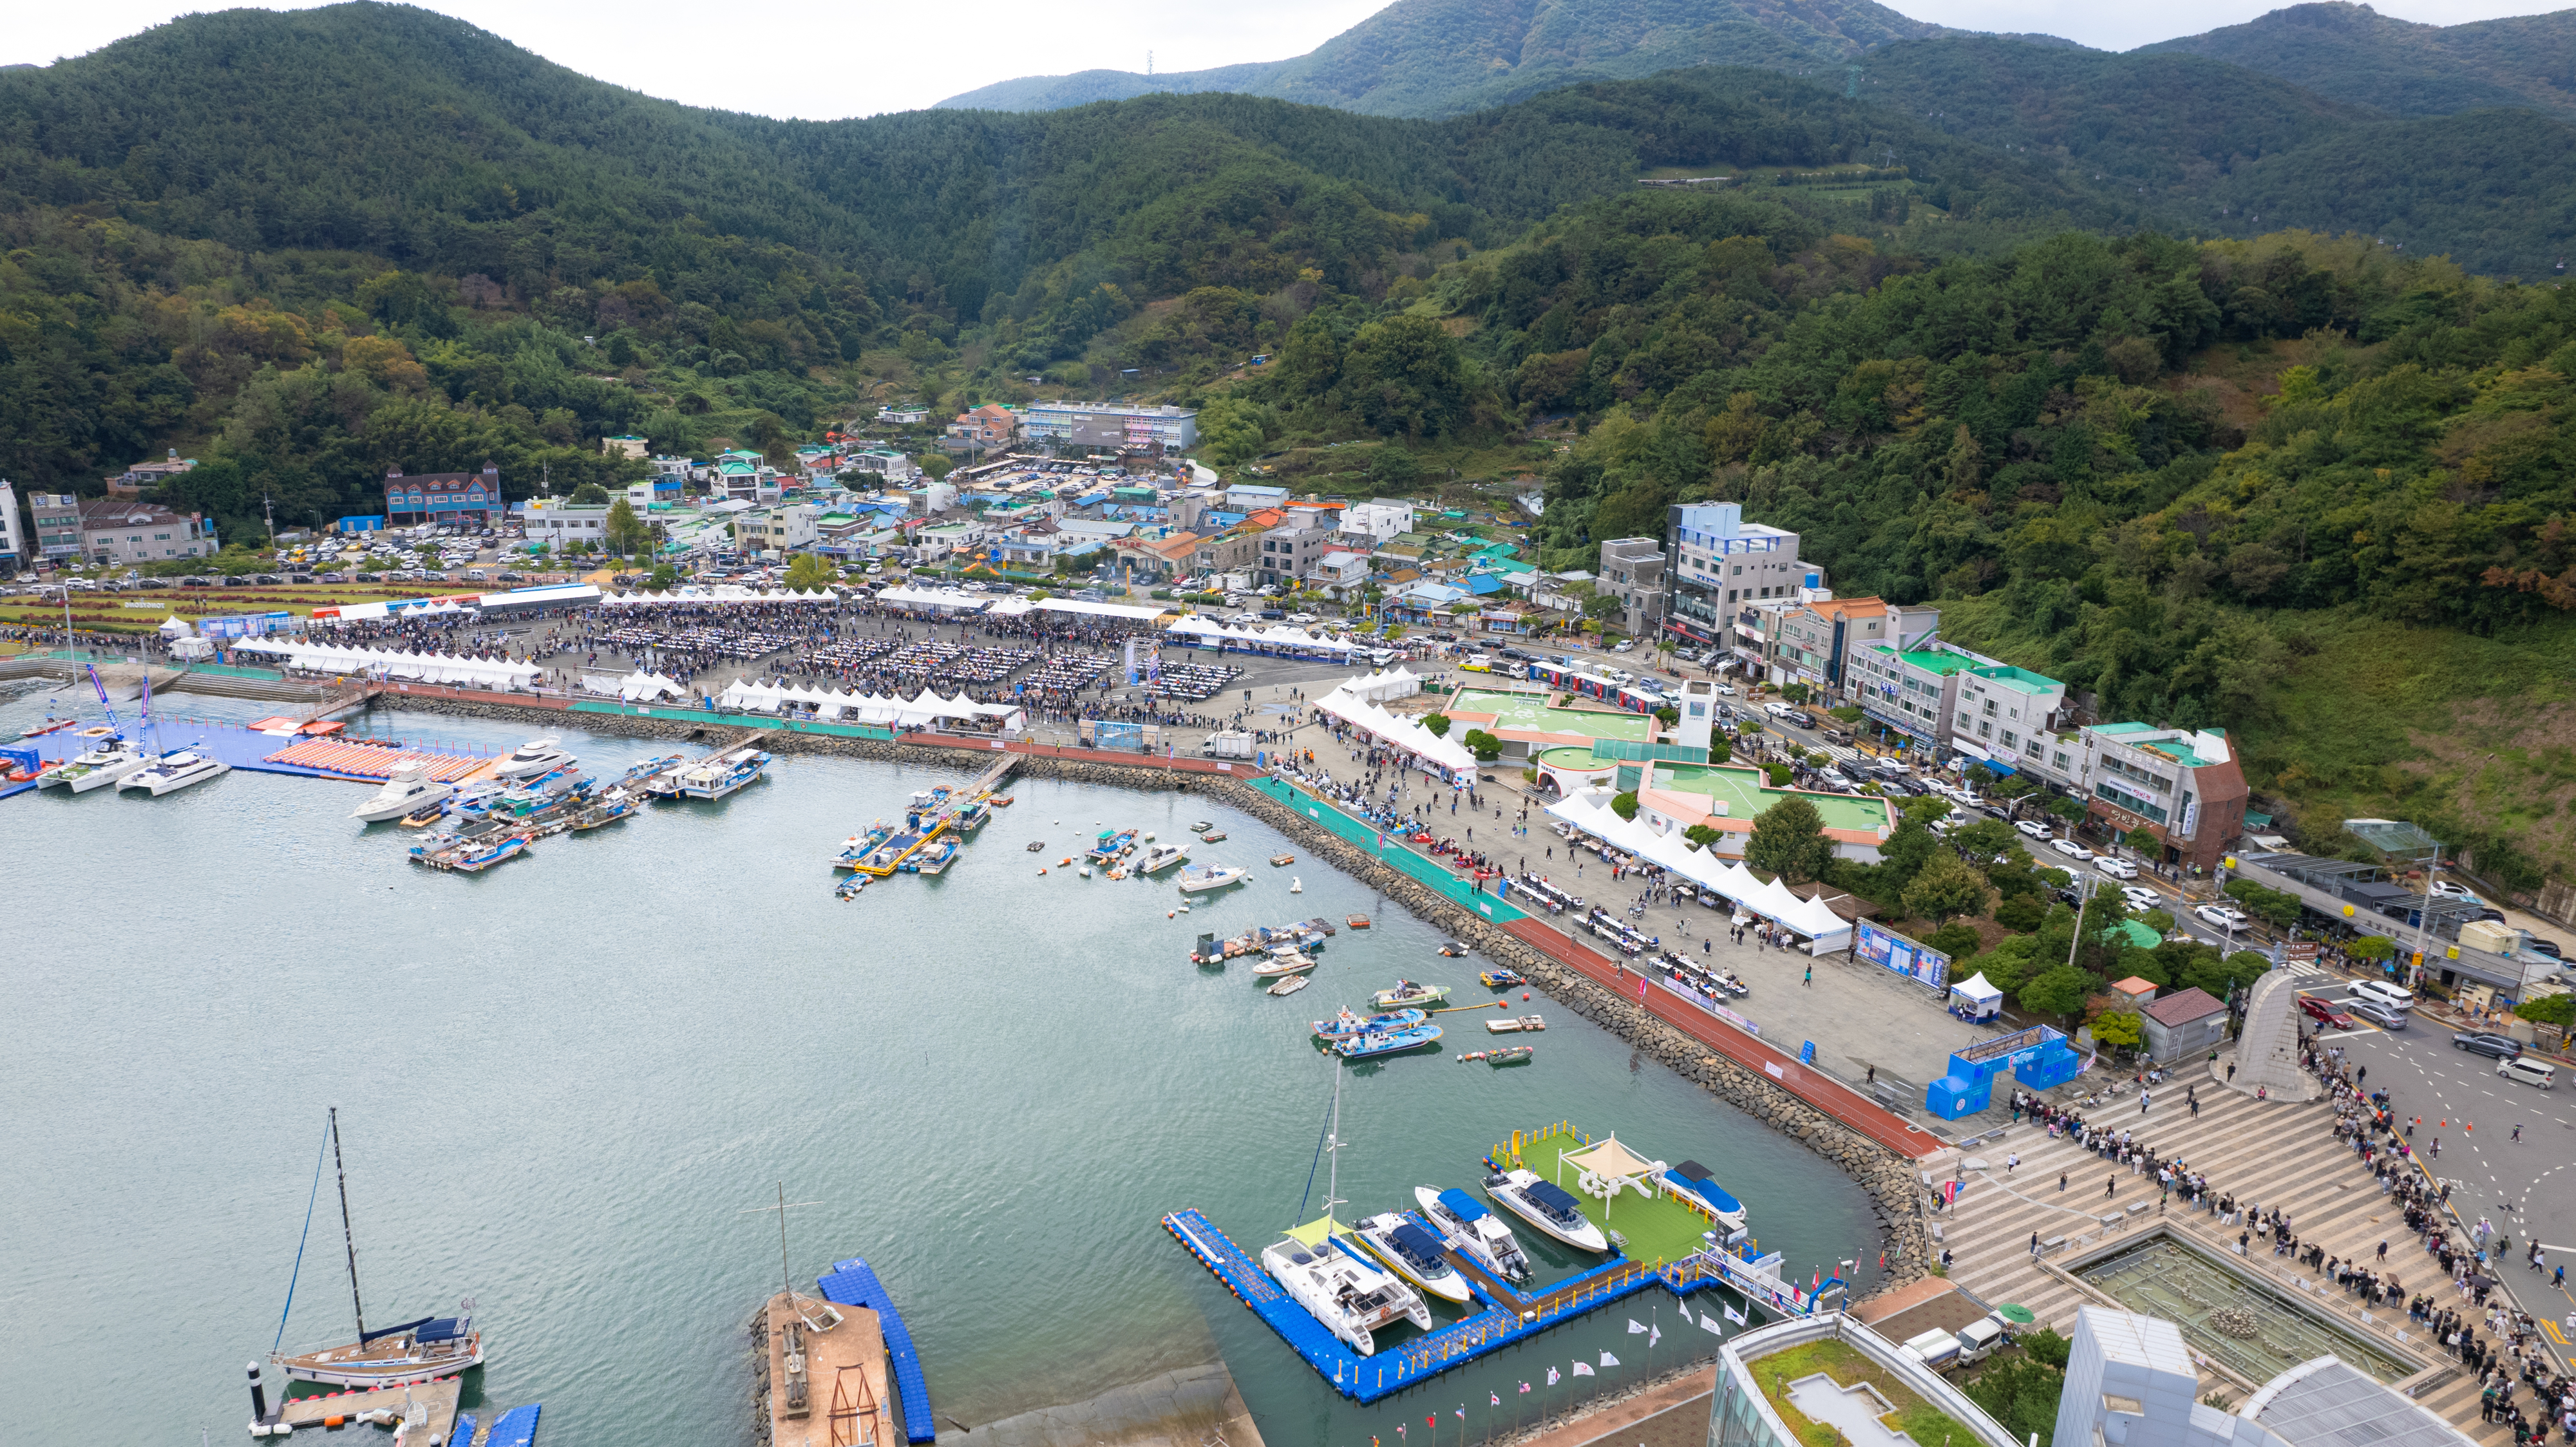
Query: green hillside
[{"x": 2355, "y": 54}]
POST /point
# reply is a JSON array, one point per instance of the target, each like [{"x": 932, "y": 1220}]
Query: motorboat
[
  {"x": 1351, "y": 1295},
  {"x": 535, "y": 757},
  {"x": 934, "y": 858},
  {"x": 1284, "y": 960},
  {"x": 1691, "y": 1179},
  {"x": 1507, "y": 1055},
  {"x": 1499, "y": 978},
  {"x": 408, "y": 791},
  {"x": 1409, "y": 993},
  {"x": 717, "y": 775},
  {"x": 1349, "y": 1023},
  {"x": 1414, "y": 1254},
  {"x": 1473, "y": 1232},
  {"x": 1546, "y": 1205},
  {"x": 473, "y": 849},
  {"x": 1291, "y": 984},
  {"x": 109, "y": 763},
  {"x": 1160, "y": 858},
  {"x": 174, "y": 771},
  {"x": 1369, "y": 1044},
  {"x": 1199, "y": 879}
]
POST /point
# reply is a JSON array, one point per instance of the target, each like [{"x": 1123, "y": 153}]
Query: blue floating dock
[
  {"x": 852, "y": 1283},
  {"x": 516, "y": 1427},
  {"x": 463, "y": 1436},
  {"x": 1508, "y": 1315}
]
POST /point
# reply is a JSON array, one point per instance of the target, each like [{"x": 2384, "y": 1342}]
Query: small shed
[
  {"x": 2134, "y": 993},
  {"x": 2184, "y": 1023}
]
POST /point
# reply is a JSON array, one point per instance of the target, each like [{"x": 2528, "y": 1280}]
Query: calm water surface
[{"x": 561, "y": 1083}]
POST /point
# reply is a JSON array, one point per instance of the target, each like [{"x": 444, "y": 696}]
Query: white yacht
[
  {"x": 536, "y": 756},
  {"x": 1546, "y": 1205},
  {"x": 110, "y": 762},
  {"x": 1350, "y": 1295},
  {"x": 409, "y": 790},
  {"x": 1473, "y": 1231},
  {"x": 1414, "y": 1254},
  {"x": 174, "y": 771},
  {"x": 1160, "y": 858}
]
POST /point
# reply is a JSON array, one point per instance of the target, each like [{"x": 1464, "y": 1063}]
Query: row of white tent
[
  {"x": 1589, "y": 810},
  {"x": 391, "y": 663},
  {"x": 868, "y": 708},
  {"x": 1397, "y": 731},
  {"x": 688, "y": 597},
  {"x": 1278, "y": 636},
  {"x": 1378, "y": 687},
  {"x": 636, "y": 687}
]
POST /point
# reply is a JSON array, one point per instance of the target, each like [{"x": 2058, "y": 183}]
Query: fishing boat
[
  {"x": 1407, "y": 993},
  {"x": 856, "y": 848},
  {"x": 934, "y": 858},
  {"x": 1281, "y": 861},
  {"x": 1414, "y": 1253},
  {"x": 1513, "y": 1025},
  {"x": 174, "y": 771},
  {"x": 535, "y": 757},
  {"x": 415, "y": 1351},
  {"x": 1160, "y": 858},
  {"x": 1201, "y": 827},
  {"x": 849, "y": 888},
  {"x": 1349, "y": 1294},
  {"x": 1546, "y": 1205},
  {"x": 1291, "y": 984},
  {"x": 1357, "y": 921},
  {"x": 608, "y": 809},
  {"x": 1349, "y": 1023},
  {"x": 1111, "y": 846},
  {"x": 1370, "y": 1044},
  {"x": 96, "y": 768},
  {"x": 1473, "y": 1232},
  {"x": 463, "y": 854},
  {"x": 1286, "y": 960},
  {"x": 972, "y": 815},
  {"x": 717, "y": 775},
  {"x": 407, "y": 791},
  {"x": 1499, "y": 978},
  {"x": 1200, "y": 879}
]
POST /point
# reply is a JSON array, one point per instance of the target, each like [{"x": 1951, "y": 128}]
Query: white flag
[
  {"x": 1581, "y": 1370},
  {"x": 1635, "y": 1327},
  {"x": 1608, "y": 1360},
  {"x": 1732, "y": 1314},
  {"x": 1708, "y": 1323},
  {"x": 1656, "y": 1335}
]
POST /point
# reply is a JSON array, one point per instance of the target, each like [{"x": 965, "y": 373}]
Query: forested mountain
[
  {"x": 2353, "y": 53},
  {"x": 1444, "y": 57}
]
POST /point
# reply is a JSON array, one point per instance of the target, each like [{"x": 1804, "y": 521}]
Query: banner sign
[{"x": 1895, "y": 952}]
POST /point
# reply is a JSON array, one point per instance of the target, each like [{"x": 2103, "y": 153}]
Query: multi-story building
[
  {"x": 1714, "y": 561},
  {"x": 115, "y": 530},
  {"x": 982, "y": 430},
  {"x": 461, "y": 498},
  {"x": 1375, "y": 521},
  {"x": 1946, "y": 698},
  {"x": 1812, "y": 643},
  {"x": 2183, "y": 786},
  {"x": 1910, "y": 690},
  {"x": 131, "y": 482},
  {"x": 2002, "y": 713},
  {"x": 1289, "y": 552},
  {"x": 1632, "y": 571},
  {"x": 58, "y": 525},
  {"x": 1753, "y": 1410},
  {"x": 560, "y": 524},
  {"x": 785, "y": 528},
  {"x": 13, "y": 541},
  {"x": 1116, "y": 426},
  {"x": 1231, "y": 551}
]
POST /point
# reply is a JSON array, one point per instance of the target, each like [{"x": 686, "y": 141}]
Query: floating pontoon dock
[{"x": 852, "y": 1283}]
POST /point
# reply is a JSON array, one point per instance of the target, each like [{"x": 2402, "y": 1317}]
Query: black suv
[{"x": 2502, "y": 1047}]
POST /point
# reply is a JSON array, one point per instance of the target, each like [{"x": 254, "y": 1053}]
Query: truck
[{"x": 1232, "y": 745}]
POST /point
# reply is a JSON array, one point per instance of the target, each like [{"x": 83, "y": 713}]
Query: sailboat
[
  {"x": 389, "y": 1356},
  {"x": 1339, "y": 1285}
]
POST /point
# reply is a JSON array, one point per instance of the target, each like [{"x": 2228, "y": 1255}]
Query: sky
[{"x": 817, "y": 60}]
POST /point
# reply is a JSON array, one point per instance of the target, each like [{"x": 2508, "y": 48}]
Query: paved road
[{"x": 2527, "y": 1187}]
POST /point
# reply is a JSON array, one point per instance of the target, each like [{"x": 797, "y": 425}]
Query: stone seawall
[{"x": 1895, "y": 1193}]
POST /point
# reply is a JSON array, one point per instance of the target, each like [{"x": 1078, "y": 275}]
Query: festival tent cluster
[
  {"x": 387, "y": 663},
  {"x": 1589, "y": 811},
  {"x": 689, "y": 597},
  {"x": 867, "y": 708},
  {"x": 1398, "y": 732},
  {"x": 1280, "y": 638}
]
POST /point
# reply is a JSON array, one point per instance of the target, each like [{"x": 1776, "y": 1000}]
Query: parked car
[
  {"x": 2383, "y": 992},
  {"x": 2379, "y": 1015},
  {"x": 2141, "y": 897},
  {"x": 2446, "y": 889},
  {"x": 2219, "y": 916},
  {"x": 2323, "y": 1013},
  {"x": 2071, "y": 849},
  {"x": 2540, "y": 946},
  {"x": 2116, "y": 868},
  {"x": 2030, "y": 829},
  {"x": 2479, "y": 1042}
]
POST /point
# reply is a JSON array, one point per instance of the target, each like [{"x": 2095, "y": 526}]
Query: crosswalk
[{"x": 2278, "y": 1154}]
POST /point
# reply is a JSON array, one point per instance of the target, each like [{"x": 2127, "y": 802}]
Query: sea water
[{"x": 567, "y": 1086}]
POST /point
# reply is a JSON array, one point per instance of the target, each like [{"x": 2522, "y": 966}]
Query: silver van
[{"x": 2524, "y": 1070}]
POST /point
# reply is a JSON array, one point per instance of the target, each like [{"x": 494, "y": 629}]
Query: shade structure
[
  {"x": 393, "y": 664},
  {"x": 697, "y": 596},
  {"x": 1399, "y": 732}
]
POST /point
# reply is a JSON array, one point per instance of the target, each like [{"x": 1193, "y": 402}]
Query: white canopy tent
[
  {"x": 1399, "y": 732},
  {"x": 1132, "y": 612},
  {"x": 1590, "y": 812},
  {"x": 1281, "y": 637},
  {"x": 948, "y": 599},
  {"x": 1976, "y": 998},
  {"x": 868, "y": 708},
  {"x": 642, "y": 687},
  {"x": 681, "y": 597},
  {"x": 443, "y": 668},
  {"x": 1398, "y": 682}
]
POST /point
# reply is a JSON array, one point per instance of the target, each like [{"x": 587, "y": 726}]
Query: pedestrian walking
[
  {"x": 1810, "y": 982},
  {"x": 2011, "y": 1161},
  {"x": 2061, "y": 1180}
]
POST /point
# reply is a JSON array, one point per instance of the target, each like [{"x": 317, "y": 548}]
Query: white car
[
  {"x": 2219, "y": 916},
  {"x": 2381, "y": 992},
  {"x": 2071, "y": 849},
  {"x": 2141, "y": 897},
  {"x": 2445, "y": 889},
  {"x": 1623, "y": 646},
  {"x": 2116, "y": 868},
  {"x": 2031, "y": 829}
]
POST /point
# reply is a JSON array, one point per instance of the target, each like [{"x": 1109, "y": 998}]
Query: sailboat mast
[
  {"x": 1333, "y": 1147},
  {"x": 347, "y": 1235}
]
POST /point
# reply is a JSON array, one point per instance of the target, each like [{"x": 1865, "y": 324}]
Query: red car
[{"x": 2323, "y": 1013}]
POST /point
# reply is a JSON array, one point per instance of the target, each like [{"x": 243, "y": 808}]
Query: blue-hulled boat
[
  {"x": 1372, "y": 1043},
  {"x": 1349, "y": 1023},
  {"x": 1691, "y": 1180}
]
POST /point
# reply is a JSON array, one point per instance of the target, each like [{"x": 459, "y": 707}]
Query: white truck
[
  {"x": 1972, "y": 1343},
  {"x": 1233, "y": 745}
]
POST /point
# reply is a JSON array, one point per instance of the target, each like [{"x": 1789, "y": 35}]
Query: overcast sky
[{"x": 819, "y": 61}]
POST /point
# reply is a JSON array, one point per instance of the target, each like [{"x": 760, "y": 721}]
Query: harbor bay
[{"x": 560, "y": 1081}]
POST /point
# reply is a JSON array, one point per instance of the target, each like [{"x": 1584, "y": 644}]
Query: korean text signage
[{"x": 1896, "y": 952}]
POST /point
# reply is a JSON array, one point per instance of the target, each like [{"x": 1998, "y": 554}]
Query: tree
[
  {"x": 1984, "y": 839},
  {"x": 2375, "y": 948},
  {"x": 1438, "y": 723},
  {"x": 1395, "y": 470},
  {"x": 936, "y": 464},
  {"x": 664, "y": 577},
  {"x": 2060, "y": 991},
  {"x": 1778, "y": 775},
  {"x": 1946, "y": 887},
  {"x": 2142, "y": 842},
  {"x": 1789, "y": 840},
  {"x": 1625, "y": 805},
  {"x": 2021, "y": 913},
  {"x": 808, "y": 573},
  {"x": 1956, "y": 939},
  {"x": 1701, "y": 836},
  {"x": 1485, "y": 746},
  {"x": 627, "y": 533},
  {"x": 589, "y": 494},
  {"x": 2548, "y": 1010},
  {"x": 2065, "y": 808},
  {"x": 1794, "y": 693},
  {"x": 2121, "y": 1028},
  {"x": 1908, "y": 848},
  {"x": 1403, "y": 374}
]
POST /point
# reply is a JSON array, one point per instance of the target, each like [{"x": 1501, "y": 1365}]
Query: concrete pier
[
  {"x": 846, "y": 1398},
  {"x": 436, "y": 1399}
]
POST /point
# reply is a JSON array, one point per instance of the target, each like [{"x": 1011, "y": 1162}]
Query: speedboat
[
  {"x": 1372, "y": 1043},
  {"x": 1409, "y": 993},
  {"x": 1546, "y": 1205},
  {"x": 1351, "y": 1295},
  {"x": 410, "y": 789},
  {"x": 1283, "y": 960},
  {"x": 1692, "y": 1179},
  {"x": 1473, "y": 1231},
  {"x": 109, "y": 763},
  {"x": 1199, "y": 879},
  {"x": 536, "y": 756},
  {"x": 1160, "y": 858},
  {"x": 174, "y": 771},
  {"x": 1499, "y": 978},
  {"x": 1414, "y": 1253},
  {"x": 1292, "y": 984},
  {"x": 1349, "y": 1023}
]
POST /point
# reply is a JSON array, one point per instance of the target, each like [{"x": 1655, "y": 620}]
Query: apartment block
[
  {"x": 1716, "y": 561},
  {"x": 1112, "y": 425},
  {"x": 1632, "y": 571}
]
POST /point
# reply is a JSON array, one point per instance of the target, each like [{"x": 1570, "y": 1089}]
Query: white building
[
  {"x": 13, "y": 542},
  {"x": 1113, "y": 425},
  {"x": 1378, "y": 520},
  {"x": 558, "y": 524}
]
